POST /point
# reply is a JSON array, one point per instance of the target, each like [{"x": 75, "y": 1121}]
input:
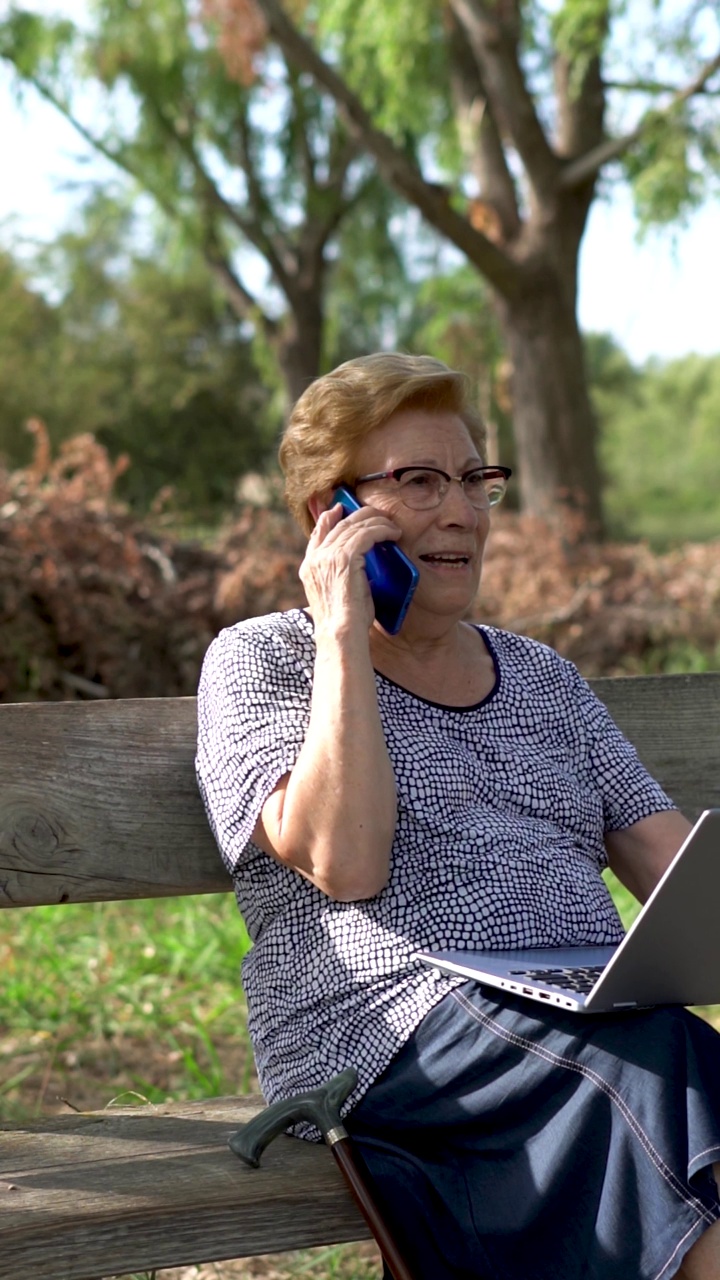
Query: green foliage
[
  {"x": 247, "y": 172},
  {"x": 456, "y": 321},
  {"x": 141, "y": 350},
  {"x": 679, "y": 658},
  {"x": 674, "y": 164},
  {"x": 370, "y": 293},
  {"x": 29, "y": 350},
  {"x": 130, "y": 1003},
  {"x": 255, "y": 174},
  {"x": 387, "y": 50},
  {"x": 580, "y": 29},
  {"x": 375, "y": 303},
  {"x": 30, "y": 41},
  {"x": 393, "y": 53},
  {"x": 659, "y": 443},
  {"x": 628, "y": 907},
  {"x": 667, "y": 169}
]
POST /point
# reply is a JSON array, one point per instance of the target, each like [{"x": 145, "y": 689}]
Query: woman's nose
[{"x": 456, "y": 508}]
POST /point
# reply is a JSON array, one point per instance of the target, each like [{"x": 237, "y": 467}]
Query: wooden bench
[{"x": 98, "y": 802}]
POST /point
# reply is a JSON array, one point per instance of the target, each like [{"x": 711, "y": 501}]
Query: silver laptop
[{"x": 670, "y": 955}]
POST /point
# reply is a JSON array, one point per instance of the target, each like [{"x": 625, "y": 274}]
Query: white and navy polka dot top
[{"x": 499, "y": 841}]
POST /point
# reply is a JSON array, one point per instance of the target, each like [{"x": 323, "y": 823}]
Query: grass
[
  {"x": 113, "y": 975},
  {"x": 109, "y": 1002},
  {"x": 627, "y": 906},
  {"x": 138, "y": 1001}
]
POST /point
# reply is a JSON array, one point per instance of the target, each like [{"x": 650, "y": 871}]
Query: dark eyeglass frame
[{"x": 487, "y": 472}]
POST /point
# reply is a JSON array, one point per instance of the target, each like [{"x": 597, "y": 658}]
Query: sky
[{"x": 658, "y": 298}]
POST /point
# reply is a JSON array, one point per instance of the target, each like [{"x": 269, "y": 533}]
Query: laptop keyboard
[{"x": 581, "y": 979}]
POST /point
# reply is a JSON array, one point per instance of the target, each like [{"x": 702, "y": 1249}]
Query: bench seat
[
  {"x": 98, "y": 802},
  {"x": 90, "y": 1195}
]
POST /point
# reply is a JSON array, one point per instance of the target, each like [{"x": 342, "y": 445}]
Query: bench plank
[
  {"x": 92, "y": 1195},
  {"x": 98, "y": 800},
  {"x": 674, "y": 723}
]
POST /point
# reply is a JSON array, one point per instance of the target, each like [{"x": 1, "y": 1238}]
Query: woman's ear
[{"x": 318, "y": 503}]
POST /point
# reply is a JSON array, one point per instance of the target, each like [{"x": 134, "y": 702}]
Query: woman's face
[{"x": 447, "y": 542}]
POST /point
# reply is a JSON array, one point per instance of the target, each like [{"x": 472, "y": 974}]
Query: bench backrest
[{"x": 98, "y": 800}]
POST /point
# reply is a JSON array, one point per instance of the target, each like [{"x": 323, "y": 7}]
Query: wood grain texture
[
  {"x": 92, "y": 1195},
  {"x": 98, "y": 800}
]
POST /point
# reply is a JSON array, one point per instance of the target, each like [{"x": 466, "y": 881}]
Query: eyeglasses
[{"x": 422, "y": 488}]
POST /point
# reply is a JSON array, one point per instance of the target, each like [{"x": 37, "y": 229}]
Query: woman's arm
[
  {"x": 333, "y": 817},
  {"x": 639, "y": 855}
]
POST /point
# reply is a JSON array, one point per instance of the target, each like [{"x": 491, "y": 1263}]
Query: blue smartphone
[{"x": 392, "y": 576}]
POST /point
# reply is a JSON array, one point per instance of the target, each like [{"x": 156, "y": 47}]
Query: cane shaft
[
  {"x": 321, "y": 1107},
  {"x": 355, "y": 1177}
]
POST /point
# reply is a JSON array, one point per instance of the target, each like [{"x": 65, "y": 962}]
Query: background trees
[
  {"x": 140, "y": 348},
  {"x": 659, "y": 433},
  {"x": 541, "y": 104},
  {"x": 257, "y": 173},
  {"x": 287, "y": 157},
  {"x": 29, "y": 381}
]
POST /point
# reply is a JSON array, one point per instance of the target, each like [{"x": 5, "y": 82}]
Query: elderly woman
[{"x": 450, "y": 786}]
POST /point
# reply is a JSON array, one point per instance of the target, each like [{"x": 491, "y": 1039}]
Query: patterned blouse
[{"x": 502, "y": 807}]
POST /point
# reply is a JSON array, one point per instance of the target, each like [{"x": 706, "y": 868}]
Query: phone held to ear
[{"x": 392, "y": 576}]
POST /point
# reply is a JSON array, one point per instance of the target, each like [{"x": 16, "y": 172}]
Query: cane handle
[{"x": 320, "y": 1107}]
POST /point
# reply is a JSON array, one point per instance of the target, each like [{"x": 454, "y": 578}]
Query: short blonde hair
[{"x": 339, "y": 410}]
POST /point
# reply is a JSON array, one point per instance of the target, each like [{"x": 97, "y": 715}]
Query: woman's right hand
[
  {"x": 333, "y": 570},
  {"x": 332, "y": 817}
]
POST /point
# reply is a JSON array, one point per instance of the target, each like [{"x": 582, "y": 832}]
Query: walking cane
[{"x": 322, "y": 1108}]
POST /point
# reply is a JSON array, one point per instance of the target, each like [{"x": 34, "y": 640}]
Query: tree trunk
[
  {"x": 553, "y": 420},
  {"x": 524, "y": 230},
  {"x": 295, "y": 340},
  {"x": 298, "y": 344}
]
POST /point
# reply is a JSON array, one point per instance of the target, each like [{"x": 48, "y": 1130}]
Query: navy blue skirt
[{"x": 510, "y": 1144}]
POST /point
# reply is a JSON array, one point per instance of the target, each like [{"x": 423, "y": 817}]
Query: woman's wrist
[{"x": 342, "y": 636}]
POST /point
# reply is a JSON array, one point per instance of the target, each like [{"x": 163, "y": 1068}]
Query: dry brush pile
[
  {"x": 94, "y": 603},
  {"x": 91, "y": 603},
  {"x": 613, "y": 608}
]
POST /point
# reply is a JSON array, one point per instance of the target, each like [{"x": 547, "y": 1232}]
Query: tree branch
[
  {"x": 243, "y": 302},
  {"x": 270, "y": 245},
  {"x": 653, "y": 86},
  {"x": 493, "y": 33},
  {"x": 252, "y": 229},
  {"x": 325, "y": 201},
  {"x": 317, "y": 232},
  {"x": 115, "y": 157},
  {"x": 587, "y": 166},
  {"x": 396, "y": 167},
  {"x": 306, "y": 151},
  {"x": 580, "y": 107},
  {"x": 479, "y": 135}
]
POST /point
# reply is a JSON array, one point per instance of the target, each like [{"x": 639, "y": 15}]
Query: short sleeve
[
  {"x": 629, "y": 793},
  {"x": 253, "y": 713}
]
